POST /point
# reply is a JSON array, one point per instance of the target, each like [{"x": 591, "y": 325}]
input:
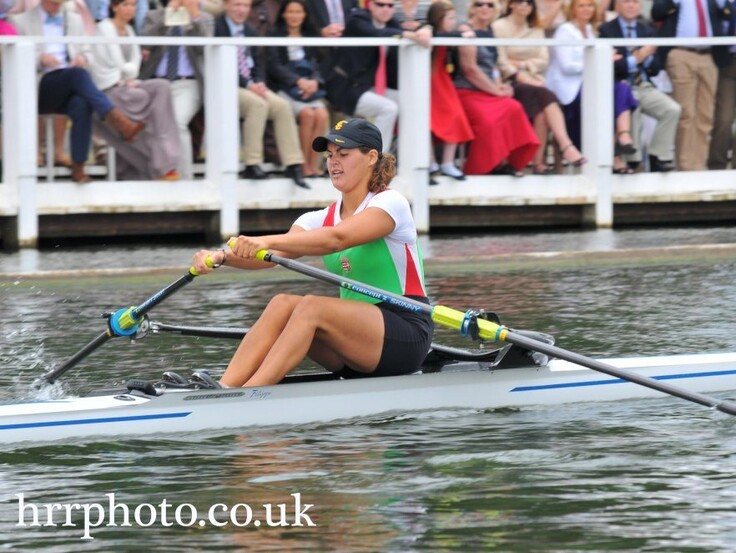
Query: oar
[
  {"x": 124, "y": 322},
  {"x": 488, "y": 330}
]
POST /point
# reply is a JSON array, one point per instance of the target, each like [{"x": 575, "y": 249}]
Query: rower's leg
[
  {"x": 260, "y": 338},
  {"x": 352, "y": 331}
]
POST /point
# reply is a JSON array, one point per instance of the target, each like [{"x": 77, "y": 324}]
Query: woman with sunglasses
[
  {"x": 524, "y": 66},
  {"x": 505, "y": 141}
]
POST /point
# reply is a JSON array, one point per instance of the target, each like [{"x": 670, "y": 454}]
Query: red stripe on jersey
[
  {"x": 330, "y": 217},
  {"x": 413, "y": 286}
]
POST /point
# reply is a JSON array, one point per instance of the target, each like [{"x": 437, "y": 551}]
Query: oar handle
[{"x": 208, "y": 261}]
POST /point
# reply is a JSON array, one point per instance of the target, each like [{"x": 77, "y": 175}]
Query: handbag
[{"x": 304, "y": 69}]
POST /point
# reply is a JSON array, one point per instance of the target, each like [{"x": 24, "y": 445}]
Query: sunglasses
[
  {"x": 484, "y": 4},
  {"x": 530, "y": 2},
  {"x": 383, "y": 4}
]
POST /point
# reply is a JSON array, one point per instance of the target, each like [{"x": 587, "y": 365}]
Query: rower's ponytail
[{"x": 383, "y": 171}]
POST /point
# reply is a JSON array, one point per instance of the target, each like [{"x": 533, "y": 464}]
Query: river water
[{"x": 654, "y": 475}]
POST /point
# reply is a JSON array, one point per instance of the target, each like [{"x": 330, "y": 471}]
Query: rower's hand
[
  {"x": 200, "y": 264},
  {"x": 248, "y": 246}
]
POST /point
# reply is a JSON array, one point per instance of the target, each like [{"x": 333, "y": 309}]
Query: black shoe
[
  {"x": 253, "y": 172},
  {"x": 203, "y": 379},
  {"x": 657, "y": 165},
  {"x": 294, "y": 172}
]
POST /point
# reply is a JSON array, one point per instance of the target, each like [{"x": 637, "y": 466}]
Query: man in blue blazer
[{"x": 637, "y": 66}]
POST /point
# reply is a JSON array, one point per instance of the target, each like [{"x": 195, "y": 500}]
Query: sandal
[
  {"x": 623, "y": 149},
  {"x": 579, "y": 162}
]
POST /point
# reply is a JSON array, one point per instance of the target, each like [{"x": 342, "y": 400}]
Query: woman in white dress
[
  {"x": 156, "y": 152},
  {"x": 565, "y": 79}
]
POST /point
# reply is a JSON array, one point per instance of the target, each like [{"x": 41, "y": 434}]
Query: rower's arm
[{"x": 225, "y": 257}]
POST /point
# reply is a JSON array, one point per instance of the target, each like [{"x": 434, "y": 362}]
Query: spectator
[
  {"x": 183, "y": 66},
  {"x": 294, "y": 72},
  {"x": 723, "y": 139},
  {"x": 637, "y": 66},
  {"x": 156, "y": 153},
  {"x": 692, "y": 71},
  {"x": 501, "y": 127},
  {"x": 524, "y": 66},
  {"x": 565, "y": 79},
  {"x": 448, "y": 121},
  {"x": 258, "y": 104},
  {"x": 329, "y": 16},
  {"x": 363, "y": 79},
  {"x": 65, "y": 86},
  {"x": 61, "y": 159}
]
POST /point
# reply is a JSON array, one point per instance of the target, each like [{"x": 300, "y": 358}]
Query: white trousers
[{"x": 382, "y": 111}]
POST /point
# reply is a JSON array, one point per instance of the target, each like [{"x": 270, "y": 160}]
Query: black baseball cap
[{"x": 351, "y": 133}]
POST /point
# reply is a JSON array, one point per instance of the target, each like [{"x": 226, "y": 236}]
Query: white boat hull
[{"x": 310, "y": 402}]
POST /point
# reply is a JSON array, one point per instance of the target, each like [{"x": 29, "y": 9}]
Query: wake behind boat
[{"x": 322, "y": 398}]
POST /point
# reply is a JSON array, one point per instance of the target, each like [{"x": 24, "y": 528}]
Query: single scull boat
[{"x": 314, "y": 399}]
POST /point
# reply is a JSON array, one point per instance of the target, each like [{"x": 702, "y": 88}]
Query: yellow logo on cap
[
  {"x": 339, "y": 124},
  {"x": 340, "y": 141}
]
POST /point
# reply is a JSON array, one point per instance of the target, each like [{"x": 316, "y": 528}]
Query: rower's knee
[
  {"x": 309, "y": 307},
  {"x": 283, "y": 301}
]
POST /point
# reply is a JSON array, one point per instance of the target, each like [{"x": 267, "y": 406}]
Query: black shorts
[{"x": 406, "y": 341}]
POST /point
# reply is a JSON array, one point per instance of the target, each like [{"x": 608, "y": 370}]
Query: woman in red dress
[
  {"x": 504, "y": 138},
  {"x": 448, "y": 121}
]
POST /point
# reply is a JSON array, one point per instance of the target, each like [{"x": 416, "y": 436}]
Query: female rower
[{"x": 368, "y": 235}]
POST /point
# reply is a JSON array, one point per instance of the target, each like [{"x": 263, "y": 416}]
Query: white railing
[{"x": 594, "y": 187}]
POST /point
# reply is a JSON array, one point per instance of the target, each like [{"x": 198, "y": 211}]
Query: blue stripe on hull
[
  {"x": 93, "y": 421},
  {"x": 621, "y": 381}
]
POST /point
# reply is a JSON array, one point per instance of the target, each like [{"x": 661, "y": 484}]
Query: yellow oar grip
[
  {"x": 453, "y": 318},
  {"x": 209, "y": 262},
  {"x": 260, "y": 255}
]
